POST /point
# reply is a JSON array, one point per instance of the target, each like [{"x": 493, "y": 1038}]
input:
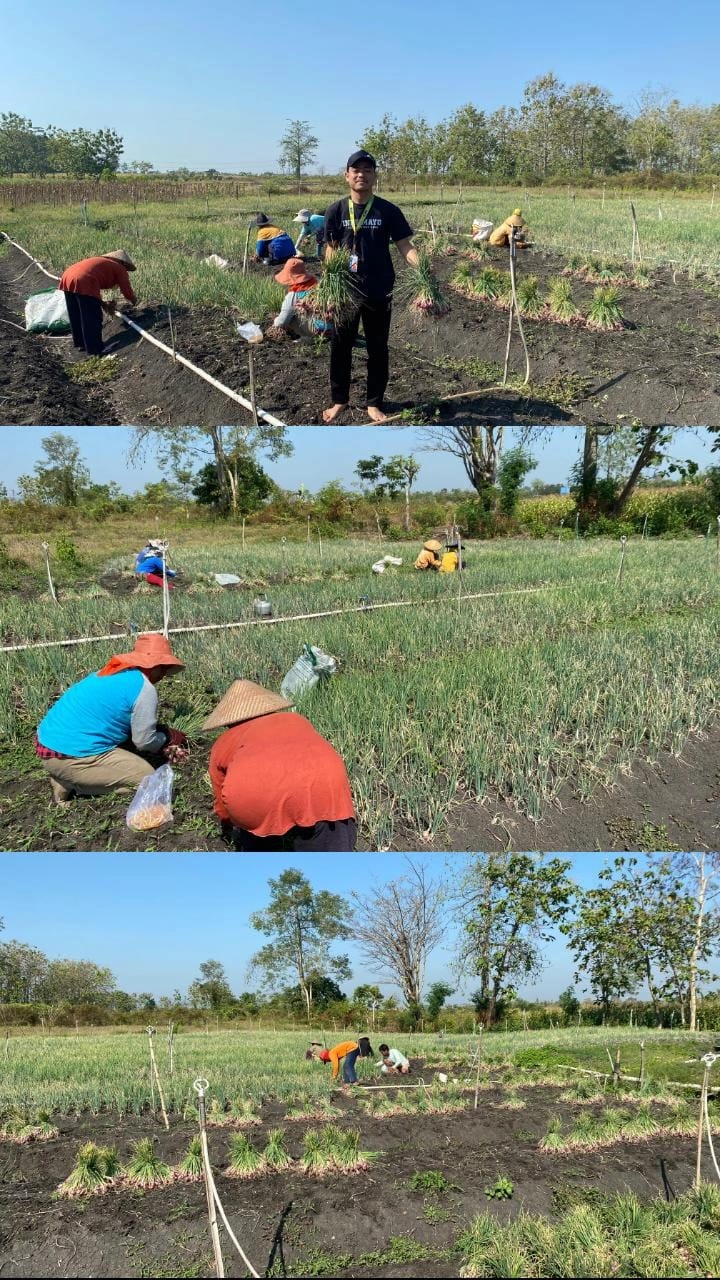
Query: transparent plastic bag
[
  {"x": 482, "y": 229},
  {"x": 312, "y": 666},
  {"x": 250, "y": 331},
  {"x": 151, "y": 806},
  {"x": 46, "y": 312}
]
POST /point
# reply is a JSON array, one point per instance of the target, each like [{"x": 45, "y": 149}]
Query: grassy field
[
  {"x": 542, "y": 1178},
  {"x": 70, "y": 1073},
  {"x": 168, "y": 241},
  {"x": 557, "y": 673}
]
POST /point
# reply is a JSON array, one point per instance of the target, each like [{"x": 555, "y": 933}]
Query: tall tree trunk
[
  {"x": 702, "y": 889},
  {"x": 407, "y": 508},
  {"x": 645, "y": 457}
]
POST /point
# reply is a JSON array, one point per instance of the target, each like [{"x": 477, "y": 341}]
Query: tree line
[
  {"x": 557, "y": 133},
  {"x": 647, "y": 929}
]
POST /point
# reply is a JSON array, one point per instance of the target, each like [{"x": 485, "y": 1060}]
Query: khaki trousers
[{"x": 116, "y": 770}]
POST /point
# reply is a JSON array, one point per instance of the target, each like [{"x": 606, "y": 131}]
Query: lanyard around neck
[{"x": 365, "y": 212}]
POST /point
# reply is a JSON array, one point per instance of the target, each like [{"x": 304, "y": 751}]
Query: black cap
[{"x": 361, "y": 155}]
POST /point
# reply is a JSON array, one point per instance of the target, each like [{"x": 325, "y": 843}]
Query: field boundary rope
[
  {"x": 132, "y": 324},
  {"x": 291, "y": 617}
]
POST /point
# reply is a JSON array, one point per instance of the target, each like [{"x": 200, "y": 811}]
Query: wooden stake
[
  {"x": 245, "y": 255},
  {"x": 155, "y": 1072},
  {"x": 701, "y": 1125}
]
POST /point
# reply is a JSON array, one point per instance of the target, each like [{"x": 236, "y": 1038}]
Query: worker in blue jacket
[
  {"x": 274, "y": 245},
  {"x": 312, "y": 224},
  {"x": 149, "y": 564}
]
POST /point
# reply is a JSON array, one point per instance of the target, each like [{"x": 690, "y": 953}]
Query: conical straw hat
[
  {"x": 432, "y": 544},
  {"x": 119, "y": 255},
  {"x": 244, "y": 700}
]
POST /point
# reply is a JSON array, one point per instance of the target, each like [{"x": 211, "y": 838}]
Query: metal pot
[{"x": 262, "y": 607}]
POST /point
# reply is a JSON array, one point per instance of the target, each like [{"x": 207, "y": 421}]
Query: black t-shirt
[{"x": 384, "y": 225}]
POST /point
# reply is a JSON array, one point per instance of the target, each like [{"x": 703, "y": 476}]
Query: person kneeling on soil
[
  {"x": 82, "y": 284},
  {"x": 348, "y": 1053},
  {"x": 429, "y": 557},
  {"x": 312, "y": 224},
  {"x": 275, "y": 778},
  {"x": 149, "y": 564},
  {"x": 393, "y": 1062},
  {"x": 501, "y": 236},
  {"x": 293, "y": 317},
  {"x": 450, "y": 562},
  {"x": 273, "y": 245},
  {"x": 102, "y": 733}
]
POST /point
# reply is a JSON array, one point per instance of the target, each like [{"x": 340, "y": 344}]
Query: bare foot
[
  {"x": 376, "y": 415},
  {"x": 329, "y": 415}
]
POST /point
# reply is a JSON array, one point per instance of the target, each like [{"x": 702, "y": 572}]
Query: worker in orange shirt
[
  {"x": 82, "y": 284},
  {"x": 348, "y": 1053},
  {"x": 275, "y": 778}
]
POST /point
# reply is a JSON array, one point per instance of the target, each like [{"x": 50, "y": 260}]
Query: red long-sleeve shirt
[
  {"x": 93, "y": 274},
  {"x": 278, "y": 772}
]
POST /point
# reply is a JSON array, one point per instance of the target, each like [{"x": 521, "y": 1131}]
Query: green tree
[
  {"x": 302, "y": 924},
  {"x": 325, "y": 991},
  {"x": 478, "y": 448},
  {"x": 509, "y": 903},
  {"x": 569, "y": 1003},
  {"x": 369, "y": 472},
  {"x": 23, "y": 147},
  {"x": 250, "y": 486},
  {"x": 513, "y": 468},
  {"x": 82, "y": 153},
  {"x": 23, "y": 971},
  {"x": 298, "y": 147},
  {"x": 400, "y": 472},
  {"x": 212, "y": 989},
  {"x": 61, "y": 477},
  {"x": 469, "y": 143},
  {"x": 437, "y": 995},
  {"x": 77, "y": 982},
  {"x": 603, "y": 950},
  {"x": 174, "y": 448}
]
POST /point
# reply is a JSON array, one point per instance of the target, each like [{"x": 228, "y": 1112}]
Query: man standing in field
[
  {"x": 82, "y": 284},
  {"x": 366, "y": 226}
]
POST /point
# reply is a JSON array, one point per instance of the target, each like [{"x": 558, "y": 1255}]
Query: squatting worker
[
  {"x": 293, "y": 317},
  {"x": 450, "y": 562},
  {"x": 393, "y": 1062},
  {"x": 501, "y": 235},
  {"x": 429, "y": 557},
  {"x": 99, "y": 734},
  {"x": 348, "y": 1053},
  {"x": 311, "y": 224},
  {"x": 366, "y": 225},
  {"x": 273, "y": 244},
  {"x": 274, "y": 777},
  {"x": 149, "y": 564},
  {"x": 82, "y": 284}
]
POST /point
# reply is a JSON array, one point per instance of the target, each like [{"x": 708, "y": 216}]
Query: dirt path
[{"x": 663, "y": 368}]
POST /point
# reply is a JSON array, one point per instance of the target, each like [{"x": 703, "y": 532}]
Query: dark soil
[
  {"x": 669, "y": 806},
  {"x": 286, "y": 1221},
  {"x": 664, "y": 367}
]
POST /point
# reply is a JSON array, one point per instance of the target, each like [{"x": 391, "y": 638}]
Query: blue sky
[
  {"x": 214, "y": 85},
  {"x": 153, "y": 918},
  {"x": 321, "y": 454}
]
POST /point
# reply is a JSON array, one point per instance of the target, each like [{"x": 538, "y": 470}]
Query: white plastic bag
[
  {"x": 226, "y": 579},
  {"x": 214, "y": 260},
  {"x": 312, "y": 666},
  {"x": 46, "y": 312},
  {"x": 151, "y": 806},
  {"x": 482, "y": 229},
  {"x": 379, "y": 566},
  {"x": 250, "y": 332}
]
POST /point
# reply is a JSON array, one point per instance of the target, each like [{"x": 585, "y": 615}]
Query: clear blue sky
[
  {"x": 213, "y": 85},
  {"x": 321, "y": 454},
  {"x": 153, "y": 918}
]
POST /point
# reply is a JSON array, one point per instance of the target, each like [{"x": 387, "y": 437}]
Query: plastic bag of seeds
[{"x": 151, "y": 806}]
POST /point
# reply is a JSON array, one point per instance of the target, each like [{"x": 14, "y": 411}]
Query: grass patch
[{"x": 92, "y": 371}]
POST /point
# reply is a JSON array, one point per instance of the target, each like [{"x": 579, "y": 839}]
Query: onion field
[
  {"x": 572, "y": 660},
  {"x": 491, "y": 1158}
]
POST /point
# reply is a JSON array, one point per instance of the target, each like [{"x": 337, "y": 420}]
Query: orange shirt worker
[
  {"x": 82, "y": 284},
  {"x": 275, "y": 778},
  {"x": 348, "y": 1053}
]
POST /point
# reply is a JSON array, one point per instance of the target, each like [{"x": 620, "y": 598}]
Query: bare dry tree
[{"x": 397, "y": 925}]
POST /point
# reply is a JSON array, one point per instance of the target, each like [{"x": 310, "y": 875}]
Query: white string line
[
  {"x": 292, "y": 617},
  {"x": 201, "y": 373}
]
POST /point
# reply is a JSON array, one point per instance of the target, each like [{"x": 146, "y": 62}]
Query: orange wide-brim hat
[
  {"x": 151, "y": 650},
  {"x": 295, "y": 273}
]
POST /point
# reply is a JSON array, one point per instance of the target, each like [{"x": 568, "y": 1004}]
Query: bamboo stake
[
  {"x": 200, "y": 1086},
  {"x": 245, "y": 255},
  {"x": 701, "y": 1125},
  {"x": 172, "y": 335},
  {"x": 477, "y": 1075},
  {"x": 153, "y": 1067},
  {"x": 46, "y": 550}
]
